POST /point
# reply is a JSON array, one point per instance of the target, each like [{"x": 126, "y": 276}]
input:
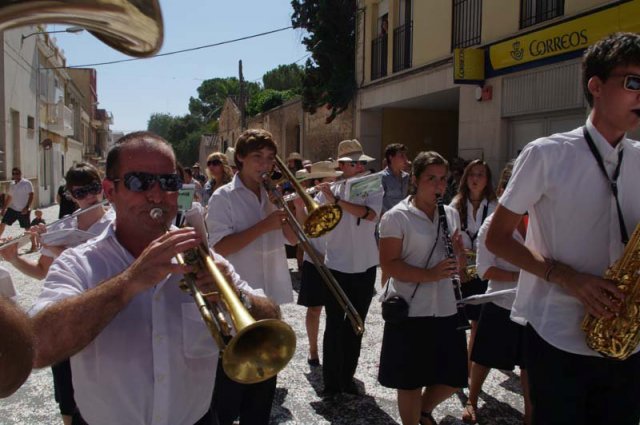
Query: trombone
[
  {"x": 321, "y": 219},
  {"x": 259, "y": 349}
]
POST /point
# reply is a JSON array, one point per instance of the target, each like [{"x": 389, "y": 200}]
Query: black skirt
[
  {"x": 423, "y": 351},
  {"x": 313, "y": 290},
  {"x": 473, "y": 287},
  {"x": 499, "y": 341}
]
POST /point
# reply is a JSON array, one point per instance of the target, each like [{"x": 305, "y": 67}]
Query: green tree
[
  {"x": 284, "y": 77},
  {"x": 268, "y": 99},
  {"x": 212, "y": 94},
  {"x": 329, "y": 75},
  {"x": 160, "y": 123}
]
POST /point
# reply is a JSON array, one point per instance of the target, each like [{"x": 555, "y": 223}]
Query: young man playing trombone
[
  {"x": 250, "y": 232},
  {"x": 140, "y": 351}
]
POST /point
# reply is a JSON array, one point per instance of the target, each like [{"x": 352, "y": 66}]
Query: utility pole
[{"x": 243, "y": 103}]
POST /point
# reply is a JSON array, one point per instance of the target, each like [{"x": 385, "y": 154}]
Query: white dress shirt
[
  {"x": 72, "y": 223},
  {"x": 486, "y": 259},
  {"x": 474, "y": 221},
  {"x": 572, "y": 219},
  {"x": 155, "y": 362},
  {"x": 351, "y": 246},
  {"x": 419, "y": 234},
  {"x": 263, "y": 262},
  {"x": 20, "y": 194}
]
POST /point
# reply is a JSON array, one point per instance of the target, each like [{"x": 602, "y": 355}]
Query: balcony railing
[
  {"x": 467, "y": 23},
  {"x": 379, "y": 52},
  {"x": 402, "y": 46},
  {"x": 536, "y": 11},
  {"x": 57, "y": 118}
]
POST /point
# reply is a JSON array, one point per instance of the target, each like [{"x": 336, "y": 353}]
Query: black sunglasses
[
  {"x": 632, "y": 82},
  {"x": 354, "y": 163},
  {"x": 214, "y": 162},
  {"x": 139, "y": 181},
  {"x": 82, "y": 192}
]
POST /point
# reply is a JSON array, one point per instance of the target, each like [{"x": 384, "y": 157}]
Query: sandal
[
  {"x": 469, "y": 415},
  {"x": 427, "y": 419}
]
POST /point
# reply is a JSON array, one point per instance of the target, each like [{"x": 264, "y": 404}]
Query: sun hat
[
  {"x": 323, "y": 169},
  {"x": 351, "y": 150}
]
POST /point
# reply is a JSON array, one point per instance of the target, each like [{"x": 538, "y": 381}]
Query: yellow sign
[
  {"x": 566, "y": 37},
  {"x": 468, "y": 65}
]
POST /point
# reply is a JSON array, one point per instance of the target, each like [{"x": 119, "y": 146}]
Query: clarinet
[{"x": 463, "y": 321}]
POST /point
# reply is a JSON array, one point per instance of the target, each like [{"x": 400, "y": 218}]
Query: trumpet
[
  {"x": 325, "y": 217},
  {"x": 315, "y": 189},
  {"x": 133, "y": 27},
  {"x": 259, "y": 349},
  {"x": 26, "y": 237}
]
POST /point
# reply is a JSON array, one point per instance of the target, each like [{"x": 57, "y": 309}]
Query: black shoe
[
  {"x": 329, "y": 392},
  {"x": 352, "y": 388},
  {"x": 313, "y": 362}
]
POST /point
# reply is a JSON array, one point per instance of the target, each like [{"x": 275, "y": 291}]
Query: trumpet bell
[
  {"x": 259, "y": 351},
  {"x": 322, "y": 220},
  {"x": 133, "y": 27}
]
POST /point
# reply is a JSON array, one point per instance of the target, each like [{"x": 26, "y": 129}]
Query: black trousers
[
  {"x": 572, "y": 389},
  {"x": 63, "y": 387},
  {"x": 341, "y": 346},
  {"x": 207, "y": 419},
  {"x": 249, "y": 402}
]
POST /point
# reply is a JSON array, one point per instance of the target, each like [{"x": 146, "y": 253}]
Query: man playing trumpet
[{"x": 140, "y": 352}]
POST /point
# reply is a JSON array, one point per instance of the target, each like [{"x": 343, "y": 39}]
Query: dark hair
[
  {"x": 459, "y": 201},
  {"x": 16, "y": 169},
  {"x": 600, "y": 59},
  {"x": 420, "y": 164},
  {"x": 253, "y": 140},
  {"x": 143, "y": 138},
  {"x": 392, "y": 150},
  {"x": 81, "y": 174}
]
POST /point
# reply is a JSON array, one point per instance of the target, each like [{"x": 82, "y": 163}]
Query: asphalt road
[{"x": 297, "y": 398}]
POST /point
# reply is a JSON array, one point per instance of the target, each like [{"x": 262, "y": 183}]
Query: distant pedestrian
[
  {"x": 19, "y": 202},
  {"x": 395, "y": 180},
  {"x": 35, "y": 243}
]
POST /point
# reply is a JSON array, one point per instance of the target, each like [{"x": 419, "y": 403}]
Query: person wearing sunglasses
[
  {"x": 140, "y": 351},
  {"x": 581, "y": 191},
  {"x": 84, "y": 187},
  {"x": 18, "y": 202},
  {"x": 219, "y": 173}
]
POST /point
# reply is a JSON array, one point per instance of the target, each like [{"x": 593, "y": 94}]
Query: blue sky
[{"x": 132, "y": 91}]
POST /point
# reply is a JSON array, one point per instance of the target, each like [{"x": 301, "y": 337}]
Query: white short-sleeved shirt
[
  {"x": 486, "y": 259},
  {"x": 572, "y": 219},
  {"x": 20, "y": 194},
  {"x": 72, "y": 223},
  {"x": 263, "y": 262},
  {"x": 469, "y": 237},
  {"x": 155, "y": 362},
  {"x": 351, "y": 246},
  {"x": 419, "y": 234}
]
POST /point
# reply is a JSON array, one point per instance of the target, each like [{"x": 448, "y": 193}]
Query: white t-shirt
[
  {"x": 486, "y": 259},
  {"x": 419, "y": 234},
  {"x": 573, "y": 220},
  {"x": 155, "y": 362},
  {"x": 351, "y": 246},
  {"x": 20, "y": 194},
  {"x": 263, "y": 262},
  {"x": 474, "y": 222}
]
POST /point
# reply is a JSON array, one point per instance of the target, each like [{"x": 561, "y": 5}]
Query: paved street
[{"x": 297, "y": 397}]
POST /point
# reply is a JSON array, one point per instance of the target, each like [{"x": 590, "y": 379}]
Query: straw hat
[
  {"x": 322, "y": 169},
  {"x": 351, "y": 150},
  {"x": 230, "y": 153},
  {"x": 293, "y": 156}
]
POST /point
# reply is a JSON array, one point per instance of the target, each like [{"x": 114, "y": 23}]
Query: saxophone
[{"x": 618, "y": 336}]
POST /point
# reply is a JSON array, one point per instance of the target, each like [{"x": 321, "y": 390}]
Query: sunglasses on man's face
[
  {"x": 354, "y": 163},
  {"x": 82, "y": 192},
  {"x": 631, "y": 82},
  {"x": 138, "y": 181}
]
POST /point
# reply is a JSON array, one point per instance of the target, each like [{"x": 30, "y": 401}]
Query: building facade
[{"x": 474, "y": 78}]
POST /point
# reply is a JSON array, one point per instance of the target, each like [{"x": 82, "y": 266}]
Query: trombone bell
[{"x": 133, "y": 27}]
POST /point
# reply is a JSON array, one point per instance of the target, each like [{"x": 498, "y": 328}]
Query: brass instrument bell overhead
[{"x": 133, "y": 27}]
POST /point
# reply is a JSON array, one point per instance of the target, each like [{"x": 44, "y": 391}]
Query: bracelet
[
  {"x": 366, "y": 214},
  {"x": 550, "y": 267}
]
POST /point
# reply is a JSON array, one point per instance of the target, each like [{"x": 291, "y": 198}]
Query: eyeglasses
[
  {"x": 214, "y": 162},
  {"x": 138, "y": 181},
  {"x": 354, "y": 163},
  {"x": 632, "y": 82},
  {"x": 82, "y": 192}
]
